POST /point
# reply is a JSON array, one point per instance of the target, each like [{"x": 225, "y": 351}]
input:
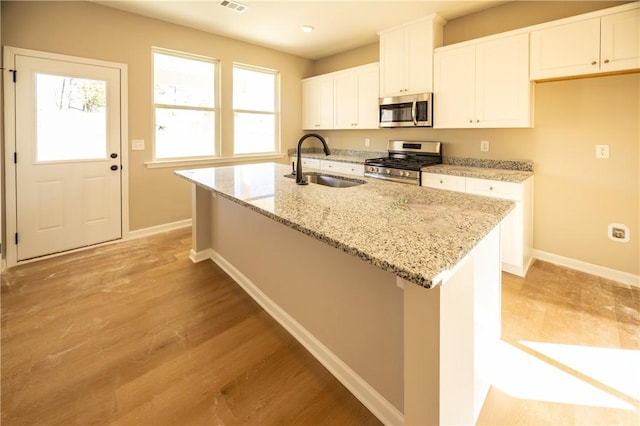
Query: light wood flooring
[{"x": 135, "y": 333}]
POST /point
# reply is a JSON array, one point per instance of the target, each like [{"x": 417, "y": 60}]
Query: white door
[{"x": 68, "y": 165}]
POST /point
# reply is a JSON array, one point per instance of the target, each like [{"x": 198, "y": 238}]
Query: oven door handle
[{"x": 414, "y": 110}]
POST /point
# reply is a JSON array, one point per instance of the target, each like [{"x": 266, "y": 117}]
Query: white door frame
[{"x": 10, "y": 201}]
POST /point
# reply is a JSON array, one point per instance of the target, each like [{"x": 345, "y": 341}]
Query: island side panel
[
  {"x": 200, "y": 223},
  {"x": 450, "y": 334},
  {"x": 352, "y": 307}
]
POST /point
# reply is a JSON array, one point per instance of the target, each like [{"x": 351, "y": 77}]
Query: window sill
[{"x": 157, "y": 164}]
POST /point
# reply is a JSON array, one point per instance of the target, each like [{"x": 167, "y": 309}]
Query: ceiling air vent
[{"x": 234, "y": 5}]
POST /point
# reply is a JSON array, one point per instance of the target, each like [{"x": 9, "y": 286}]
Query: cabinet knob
[
  {"x": 440, "y": 180},
  {"x": 470, "y": 121},
  {"x": 477, "y": 121},
  {"x": 491, "y": 188},
  {"x": 594, "y": 62},
  {"x": 606, "y": 61}
]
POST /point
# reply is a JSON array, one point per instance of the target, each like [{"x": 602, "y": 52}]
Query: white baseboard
[
  {"x": 199, "y": 256},
  {"x": 145, "y": 232},
  {"x": 376, "y": 403},
  {"x": 590, "y": 268}
]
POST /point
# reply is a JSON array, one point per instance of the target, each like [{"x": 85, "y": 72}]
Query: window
[
  {"x": 256, "y": 120},
  {"x": 185, "y": 105}
]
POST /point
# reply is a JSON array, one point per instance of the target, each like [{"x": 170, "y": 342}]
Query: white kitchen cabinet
[
  {"x": 342, "y": 167},
  {"x": 406, "y": 56},
  {"x": 317, "y": 102},
  {"x": 483, "y": 84},
  {"x": 356, "y": 98},
  {"x": 315, "y": 164},
  {"x": 450, "y": 182},
  {"x": 516, "y": 229},
  {"x": 596, "y": 45},
  {"x": 307, "y": 163}
]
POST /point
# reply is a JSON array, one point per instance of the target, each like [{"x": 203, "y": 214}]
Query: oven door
[{"x": 406, "y": 111}]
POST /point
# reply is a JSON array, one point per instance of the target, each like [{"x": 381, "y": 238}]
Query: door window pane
[{"x": 71, "y": 118}]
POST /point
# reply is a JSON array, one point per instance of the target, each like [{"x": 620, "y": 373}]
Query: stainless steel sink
[{"x": 329, "y": 180}]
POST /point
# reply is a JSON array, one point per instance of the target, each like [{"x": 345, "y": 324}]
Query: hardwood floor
[{"x": 134, "y": 333}]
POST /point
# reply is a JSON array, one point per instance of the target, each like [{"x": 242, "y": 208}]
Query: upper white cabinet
[
  {"x": 356, "y": 98},
  {"x": 483, "y": 84},
  {"x": 596, "y": 45},
  {"x": 317, "y": 103},
  {"x": 345, "y": 99},
  {"x": 406, "y": 56}
]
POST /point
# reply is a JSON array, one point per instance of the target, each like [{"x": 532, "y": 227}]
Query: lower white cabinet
[
  {"x": 341, "y": 167},
  {"x": 354, "y": 169},
  {"x": 516, "y": 229}
]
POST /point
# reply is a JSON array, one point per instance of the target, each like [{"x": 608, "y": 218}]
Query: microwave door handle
[{"x": 414, "y": 112}]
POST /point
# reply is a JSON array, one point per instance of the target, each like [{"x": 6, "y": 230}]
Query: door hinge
[
  {"x": 14, "y": 72},
  {"x": 16, "y": 238}
]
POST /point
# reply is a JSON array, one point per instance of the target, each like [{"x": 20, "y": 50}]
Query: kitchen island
[{"x": 395, "y": 288}]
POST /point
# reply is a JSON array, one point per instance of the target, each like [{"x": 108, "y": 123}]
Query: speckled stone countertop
[
  {"x": 504, "y": 175},
  {"x": 415, "y": 232},
  {"x": 341, "y": 155},
  {"x": 481, "y": 168}
]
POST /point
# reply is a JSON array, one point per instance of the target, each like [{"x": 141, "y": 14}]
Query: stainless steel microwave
[{"x": 407, "y": 111}]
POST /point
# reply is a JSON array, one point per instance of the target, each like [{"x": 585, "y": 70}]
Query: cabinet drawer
[
  {"x": 353, "y": 169},
  {"x": 452, "y": 183},
  {"x": 310, "y": 163},
  {"x": 340, "y": 167},
  {"x": 493, "y": 188}
]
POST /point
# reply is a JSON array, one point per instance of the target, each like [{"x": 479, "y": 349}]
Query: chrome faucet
[{"x": 299, "y": 179}]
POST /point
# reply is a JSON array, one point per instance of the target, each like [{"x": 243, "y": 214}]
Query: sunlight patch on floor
[{"x": 523, "y": 375}]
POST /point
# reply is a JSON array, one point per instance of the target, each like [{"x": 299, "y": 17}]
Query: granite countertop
[
  {"x": 341, "y": 155},
  {"x": 415, "y": 232},
  {"x": 504, "y": 175}
]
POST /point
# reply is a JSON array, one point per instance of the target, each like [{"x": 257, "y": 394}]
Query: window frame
[
  {"x": 277, "y": 144},
  {"x": 215, "y": 109}
]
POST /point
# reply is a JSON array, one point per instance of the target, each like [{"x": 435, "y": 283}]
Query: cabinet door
[
  {"x": 367, "y": 97},
  {"x": 454, "y": 88},
  {"x": 419, "y": 57},
  {"x": 317, "y": 103},
  {"x": 392, "y": 59},
  {"x": 620, "y": 41},
  {"x": 345, "y": 95},
  {"x": 503, "y": 89},
  {"x": 566, "y": 50}
]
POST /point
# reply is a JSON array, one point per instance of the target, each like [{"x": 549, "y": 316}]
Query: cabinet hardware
[
  {"x": 594, "y": 63},
  {"x": 606, "y": 61}
]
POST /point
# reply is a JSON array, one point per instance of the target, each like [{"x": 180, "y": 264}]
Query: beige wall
[
  {"x": 89, "y": 30},
  {"x": 576, "y": 196}
]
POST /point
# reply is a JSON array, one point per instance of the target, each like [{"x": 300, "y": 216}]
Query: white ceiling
[{"x": 340, "y": 25}]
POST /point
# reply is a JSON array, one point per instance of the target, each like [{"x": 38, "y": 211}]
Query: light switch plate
[
  {"x": 484, "y": 146},
  {"x": 137, "y": 144}
]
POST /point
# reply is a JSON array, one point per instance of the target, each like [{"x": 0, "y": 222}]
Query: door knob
[{"x": 114, "y": 167}]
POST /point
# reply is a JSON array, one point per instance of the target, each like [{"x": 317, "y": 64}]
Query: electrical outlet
[
  {"x": 484, "y": 146},
  {"x": 367, "y": 142},
  {"x": 602, "y": 152},
  {"x": 618, "y": 232}
]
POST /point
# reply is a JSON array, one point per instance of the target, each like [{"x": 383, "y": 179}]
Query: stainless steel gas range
[{"x": 404, "y": 161}]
